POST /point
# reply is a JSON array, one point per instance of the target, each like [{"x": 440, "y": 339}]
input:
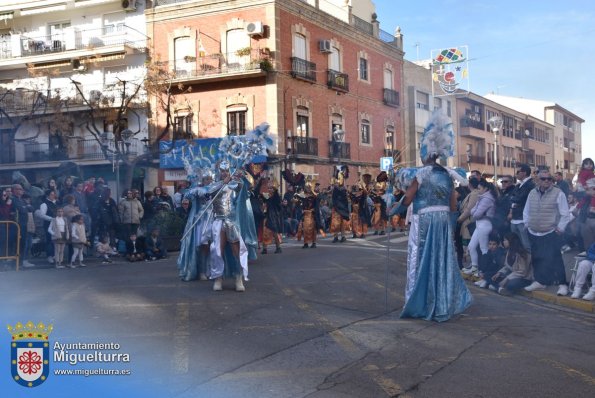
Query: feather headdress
[{"x": 438, "y": 137}]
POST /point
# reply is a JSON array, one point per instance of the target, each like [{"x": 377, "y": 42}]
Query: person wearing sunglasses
[{"x": 546, "y": 215}]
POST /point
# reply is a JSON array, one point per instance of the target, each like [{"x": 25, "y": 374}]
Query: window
[
  {"x": 237, "y": 39},
  {"x": 236, "y": 122},
  {"x": 363, "y": 69},
  {"x": 302, "y": 129},
  {"x": 365, "y": 132},
  {"x": 423, "y": 100},
  {"x": 388, "y": 79},
  {"x": 335, "y": 59},
  {"x": 437, "y": 103},
  {"x": 183, "y": 48},
  {"x": 57, "y": 34},
  {"x": 448, "y": 109},
  {"x": 183, "y": 127},
  {"x": 113, "y": 22},
  {"x": 299, "y": 46},
  {"x": 389, "y": 137},
  {"x": 336, "y": 123}
]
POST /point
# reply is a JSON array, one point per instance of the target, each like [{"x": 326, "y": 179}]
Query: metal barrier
[{"x": 6, "y": 241}]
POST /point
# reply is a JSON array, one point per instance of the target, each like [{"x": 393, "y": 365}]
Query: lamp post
[
  {"x": 495, "y": 125},
  {"x": 126, "y": 135}
]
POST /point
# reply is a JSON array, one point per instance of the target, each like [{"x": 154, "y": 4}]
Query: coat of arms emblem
[{"x": 30, "y": 353}]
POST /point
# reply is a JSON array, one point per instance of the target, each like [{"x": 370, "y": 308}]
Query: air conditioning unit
[
  {"x": 325, "y": 46},
  {"x": 255, "y": 28},
  {"x": 129, "y": 5}
]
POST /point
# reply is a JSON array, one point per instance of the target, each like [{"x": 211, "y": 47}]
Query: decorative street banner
[
  {"x": 206, "y": 148},
  {"x": 450, "y": 70}
]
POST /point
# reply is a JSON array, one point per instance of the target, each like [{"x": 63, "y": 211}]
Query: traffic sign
[{"x": 386, "y": 163}]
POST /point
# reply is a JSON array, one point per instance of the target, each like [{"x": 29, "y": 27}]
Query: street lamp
[
  {"x": 126, "y": 135},
  {"x": 495, "y": 125}
]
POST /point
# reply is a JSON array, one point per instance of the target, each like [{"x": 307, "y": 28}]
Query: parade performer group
[
  {"x": 220, "y": 235},
  {"x": 435, "y": 289}
]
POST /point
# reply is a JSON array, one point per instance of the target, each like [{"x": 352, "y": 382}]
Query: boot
[
  {"x": 305, "y": 246},
  {"x": 278, "y": 250},
  {"x": 313, "y": 245},
  {"x": 264, "y": 250},
  {"x": 343, "y": 239},
  {"x": 336, "y": 239},
  {"x": 218, "y": 285},
  {"x": 239, "y": 284},
  {"x": 381, "y": 232}
]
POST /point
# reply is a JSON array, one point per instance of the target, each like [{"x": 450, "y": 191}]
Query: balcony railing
[
  {"x": 391, "y": 97},
  {"x": 338, "y": 81},
  {"x": 70, "y": 39},
  {"x": 339, "y": 150},
  {"x": 468, "y": 159},
  {"x": 304, "y": 146},
  {"x": 303, "y": 69},
  {"x": 468, "y": 122},
  {"x": 217, "y": 64}
]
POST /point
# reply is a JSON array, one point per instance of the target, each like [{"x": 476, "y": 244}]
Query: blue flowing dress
[{"x": 437, "y": 290}]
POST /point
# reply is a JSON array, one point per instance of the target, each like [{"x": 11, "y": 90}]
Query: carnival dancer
[
  {"x": 272, "y": 227},
  {"x": 340, "y": 205},
  {"x": 229, "y": 255},
  {"x": 435, "y": 289},
  {"x": 193, "y": 261},
  {"x": 311, "y": 221},
  {"x": 379, "y": 216},
  {"x": 360, "y": 214}
]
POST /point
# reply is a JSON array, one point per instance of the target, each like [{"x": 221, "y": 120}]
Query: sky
[{"x": 536, "y": 49}]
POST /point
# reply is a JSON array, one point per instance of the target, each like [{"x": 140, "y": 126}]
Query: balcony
[
  {"x": 468, "y": 127},
  {"x": 391, "y": 97},
  {"x": 303, "y": 146},
  {"x": 471, "y": 159},
  {"x": 21, "y": 49},
  {"x": 339, "y": 150},
  {"x": 302, "y": 69},
  {"x": 218, "y": 66},
  {"x": 73, "y": 148},
  {"x": 338, "y": 81}
]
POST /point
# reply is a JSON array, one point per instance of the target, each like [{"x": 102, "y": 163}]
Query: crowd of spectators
[{"x": 74, "y": 217}]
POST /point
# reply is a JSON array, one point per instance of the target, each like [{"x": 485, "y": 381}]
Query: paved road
[{"x": 312, "y": 323}]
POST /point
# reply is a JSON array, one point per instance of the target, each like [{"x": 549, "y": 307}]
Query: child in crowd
[
  {"x": 135, "y": 249},
  {"x": 155, "y": 249},
  {"x": 490, "y": 263},
  {"x": 78, "y": 239},
  {"x": 104, "y": 250},
  {"x": 517, "y": 271},
  {"x": 60, "y": 234}
]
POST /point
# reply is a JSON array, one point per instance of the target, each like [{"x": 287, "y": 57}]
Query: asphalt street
[{"x": 318, "y": 322}]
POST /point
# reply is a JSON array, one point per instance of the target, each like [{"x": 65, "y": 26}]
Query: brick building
[{"x": 308, "y": 68}]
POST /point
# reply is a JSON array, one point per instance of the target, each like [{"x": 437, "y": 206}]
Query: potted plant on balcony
[
  {"x": 244, "y": 51},
  {"x": 189, "y": 58}
]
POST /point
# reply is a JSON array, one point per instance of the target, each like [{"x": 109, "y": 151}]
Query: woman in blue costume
[{"x": 435, "y": 289}]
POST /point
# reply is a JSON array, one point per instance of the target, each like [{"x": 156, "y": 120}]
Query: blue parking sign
[{"x": 386, "y": 164}]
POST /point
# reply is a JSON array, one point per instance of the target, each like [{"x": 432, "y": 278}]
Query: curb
[{"x": 550, "y": 297}]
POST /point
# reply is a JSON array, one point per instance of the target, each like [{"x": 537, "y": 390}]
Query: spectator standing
[
  {"x": 561, "y": 183},
  {"x": 179, "y": 195},
  {"x": 481, "y": 214},
  {"x": 21, "y": 212},
  {"x": 30, "y": 231},
  {"x": 47, "y": 211},
  {"x": 518, "y": 199},
  {"x": 500, "y": 221},
  {"x": 60, "y": 234},
  {"x": 165, "y": 198},
  {"x": 106, "y": 216},
  {"x": 131, "y": 213},
  {"x": 66, "y": 189},
  {"x": 78, "y": 238},
  {"x": 184, "y": 210},
  {"x": 546, "y": 216}
]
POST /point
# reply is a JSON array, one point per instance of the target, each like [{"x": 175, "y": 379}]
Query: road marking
[
  {"x": 400, "y": 240},
  {"x": 570, "y": 371},
  {"x": 180, "y": 358}
]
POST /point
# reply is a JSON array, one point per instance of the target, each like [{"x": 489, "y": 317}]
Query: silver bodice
[{"x": 224, "y": 202}]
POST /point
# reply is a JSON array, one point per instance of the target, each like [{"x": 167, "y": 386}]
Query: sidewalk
[{"x": 549, "y": 294}]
